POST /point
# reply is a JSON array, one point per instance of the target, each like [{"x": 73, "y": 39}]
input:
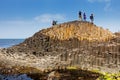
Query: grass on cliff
[
  {"x": 103, "y": 76},
  {"x": 107, "y": 76}
]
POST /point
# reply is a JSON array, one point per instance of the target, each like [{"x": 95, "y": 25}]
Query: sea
[{"x": 5, "y": 43}]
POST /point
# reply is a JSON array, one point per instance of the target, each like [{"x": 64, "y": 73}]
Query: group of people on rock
[
  {"x": 82, "y": 17},
  {"x": 54, "y": 22}
]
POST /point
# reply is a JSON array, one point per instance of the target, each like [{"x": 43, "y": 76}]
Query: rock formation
[{"x": 77, "y": 43}]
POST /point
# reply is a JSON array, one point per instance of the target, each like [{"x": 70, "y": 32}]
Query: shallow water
[{"x": 15, "y": 77}]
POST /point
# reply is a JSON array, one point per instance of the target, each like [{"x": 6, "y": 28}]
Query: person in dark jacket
[
  {"x": 54, "y": 22},
  {"x": 84, "y": 17},
  {"x": 92, "y": 18},
  {"x": 80, "y": 15}
]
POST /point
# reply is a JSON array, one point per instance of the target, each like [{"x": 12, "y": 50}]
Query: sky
[{"x": 23, "y": 18}]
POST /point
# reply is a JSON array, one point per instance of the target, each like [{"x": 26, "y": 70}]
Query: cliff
[
  {"x": 80, "y": 44},
  {"x": 78, "y": 30}
]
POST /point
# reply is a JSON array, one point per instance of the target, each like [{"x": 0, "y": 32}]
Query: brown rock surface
[
  {"x": 78, "y": 30},
  {"x": 76, "y": 43}
]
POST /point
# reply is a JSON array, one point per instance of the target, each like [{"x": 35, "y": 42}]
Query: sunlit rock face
[
  {"x": 78, "y": 30},
  {"x": 77, "y": 43}
]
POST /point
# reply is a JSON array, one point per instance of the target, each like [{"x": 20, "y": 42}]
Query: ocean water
[{"x": 5, "y": 43}]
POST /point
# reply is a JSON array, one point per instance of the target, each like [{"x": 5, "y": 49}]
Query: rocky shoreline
[{"x": 77, "y": 44}]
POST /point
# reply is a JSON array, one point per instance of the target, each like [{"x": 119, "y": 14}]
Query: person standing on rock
[
  {"x": 80, "y": 15},
  {"x": 84, "y": 17},
  {"x": 92, "y": 18}
]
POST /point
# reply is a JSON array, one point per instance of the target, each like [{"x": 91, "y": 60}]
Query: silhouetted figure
[
  {"x": 54, "y": 22},
  {"x": 80, "y": 15},
  {"x": 84, "y": 17},
  {"x": 92, "y": 18}
]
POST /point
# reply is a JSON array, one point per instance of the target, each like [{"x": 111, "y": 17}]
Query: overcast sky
[{"x": 22, "y": 18}]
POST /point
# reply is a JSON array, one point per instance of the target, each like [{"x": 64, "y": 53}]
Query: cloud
[
  {"x": 47, "y": 18},
  {"x": 17, "y": 28},
  {"x": 25, "y": 28},
  {"x": 99, "y": 0},
  {"x": 107, "y": 6}
]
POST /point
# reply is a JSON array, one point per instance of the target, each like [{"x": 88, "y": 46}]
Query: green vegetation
[
  {"x": 109, "y": 76},
  {"x": 103, "y": 76}
]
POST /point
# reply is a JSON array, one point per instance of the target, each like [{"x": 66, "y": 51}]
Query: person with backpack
[
  {"x": 84, "y": 17},
  {"x": 80, "y": 15}
]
